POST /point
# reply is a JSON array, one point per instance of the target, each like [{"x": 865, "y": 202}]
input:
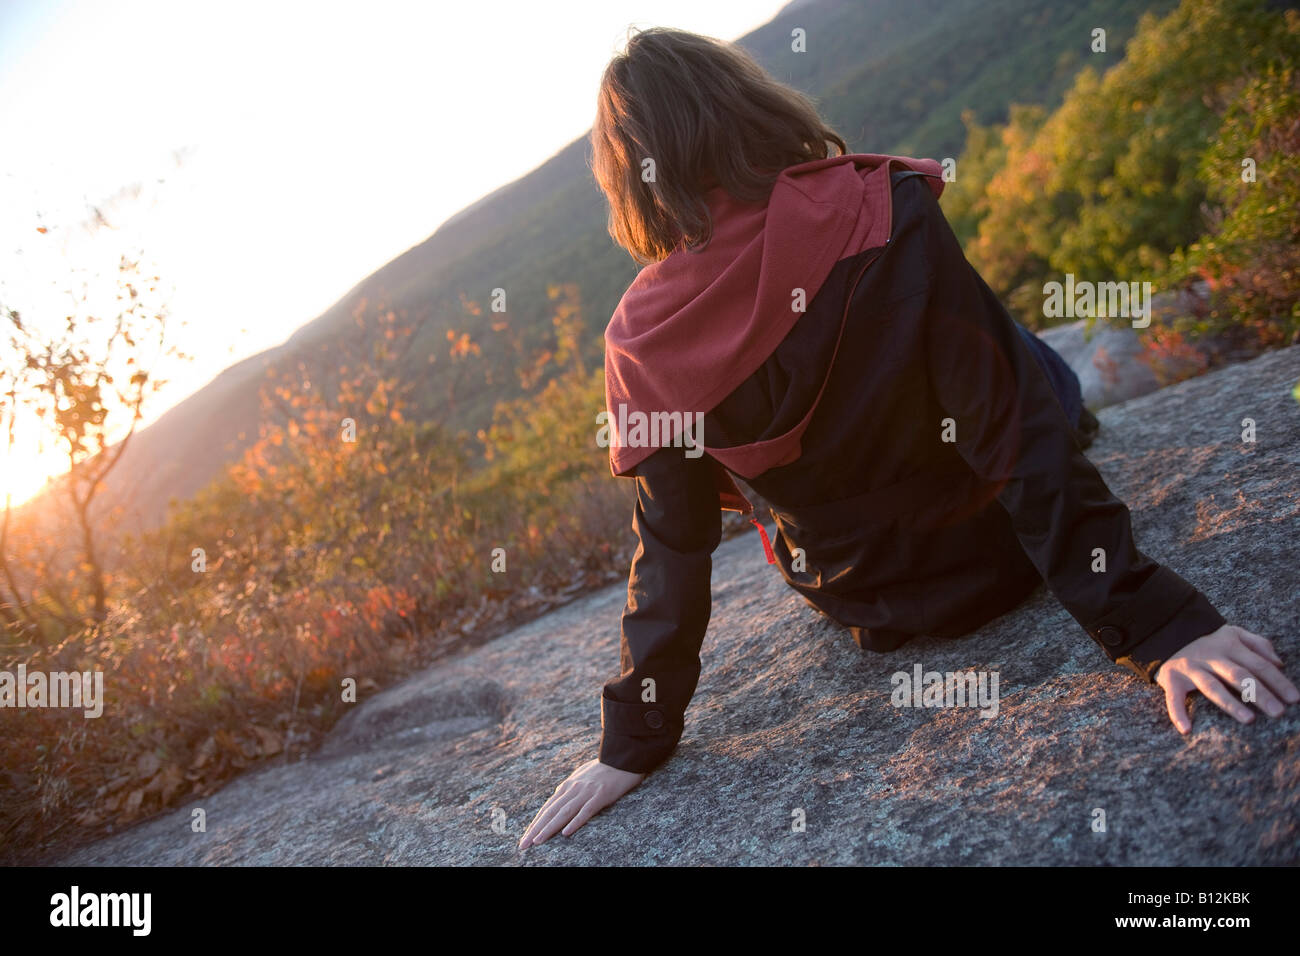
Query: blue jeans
[{"x": 1059, "y": 374}]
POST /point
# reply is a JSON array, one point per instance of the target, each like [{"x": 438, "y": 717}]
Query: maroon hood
[{"x": 693, "y": 326}]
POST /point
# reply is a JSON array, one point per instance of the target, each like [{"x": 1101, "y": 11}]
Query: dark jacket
[{"x": 902, "y": 532}]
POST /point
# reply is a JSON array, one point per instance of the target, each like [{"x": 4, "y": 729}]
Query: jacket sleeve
[
  {"x": 1011, "y": 428},
  {"x": 678, "y": 525}
]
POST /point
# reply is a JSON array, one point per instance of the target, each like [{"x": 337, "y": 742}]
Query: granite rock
[{"x": 791, "y": 719}]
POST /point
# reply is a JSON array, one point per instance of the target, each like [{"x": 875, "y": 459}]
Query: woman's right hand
[{"x": 587, "y": 791}]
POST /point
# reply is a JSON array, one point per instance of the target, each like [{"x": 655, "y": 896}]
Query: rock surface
[
  {"x": 1106, "y": 361},
  {"x": 1108, "y": 358},
  {"x": 791, "y": 716}
]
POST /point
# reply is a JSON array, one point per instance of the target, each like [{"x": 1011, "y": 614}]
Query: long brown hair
[{"x": 706, "y": 114}]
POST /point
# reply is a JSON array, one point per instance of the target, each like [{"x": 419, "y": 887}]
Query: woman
[{"x": 922, "y": 451}]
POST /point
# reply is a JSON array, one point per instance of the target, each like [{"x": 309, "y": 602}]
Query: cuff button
[
  {"x": 653, "y": 719},
  {"x": 1110, "y": 636}
]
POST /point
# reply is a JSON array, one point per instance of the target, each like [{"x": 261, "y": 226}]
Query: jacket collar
[{"x": 693, "y": 326}]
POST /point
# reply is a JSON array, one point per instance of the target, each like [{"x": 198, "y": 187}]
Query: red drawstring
[{"x": 767, "y": 545}]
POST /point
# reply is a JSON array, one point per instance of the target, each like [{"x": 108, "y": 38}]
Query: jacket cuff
[
  {"x": 1194, "y": 619},
  {"x": 1151, "y": 625},
  {"x": 637, "y": 737}
]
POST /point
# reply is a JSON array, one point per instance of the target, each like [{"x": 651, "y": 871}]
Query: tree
[
  {"x": 1108, "y": 186},
  {"x": 81, "y": 384},
  {"x": 1252, "y": 255}
]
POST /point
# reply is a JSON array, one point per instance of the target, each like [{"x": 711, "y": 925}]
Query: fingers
[
  {"x": 563, "y": 812},
  {"x": 1268, "y": 674},
  {"x": 588, "y": 810},
  {"x": 586, "y": 792},
  {"x": 1209, "y": 686},
  {"x": 1234, "y": 656},
  {"x": 1260, "y": 645},
  {"x": 1177, "y": 687},
  {"x": 536, "y": 825},
  {"x": 545, "y": 815},
  {"x": 1235, "y": 674}
]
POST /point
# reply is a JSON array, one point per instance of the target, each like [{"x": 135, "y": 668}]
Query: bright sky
[{"x": 267, "y": 156}]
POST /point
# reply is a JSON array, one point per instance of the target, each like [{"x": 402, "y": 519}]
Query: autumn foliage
[
  {"x": 346, "y": 543},
  {"x": 1178, "y": 165}
]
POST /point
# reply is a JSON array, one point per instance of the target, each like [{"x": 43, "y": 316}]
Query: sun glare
[{"x": 25, "y": 470}]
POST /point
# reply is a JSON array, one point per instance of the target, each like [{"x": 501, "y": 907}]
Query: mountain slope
[{"x": 891, "y": 75}]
